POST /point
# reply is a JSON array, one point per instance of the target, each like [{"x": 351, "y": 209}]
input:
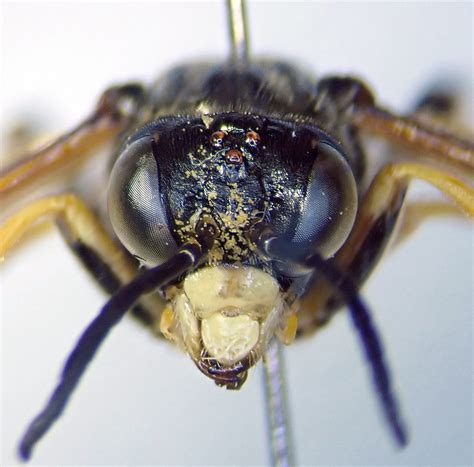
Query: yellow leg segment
[
  {"x": 385, "y": 188},
  {"x": 56, "y": 154},
  {"x": 381, "y": 198},
  {"x": 393, "y": 176},
  {"x": 107, "y": 120},
  {"x": 79, "y": 225}
]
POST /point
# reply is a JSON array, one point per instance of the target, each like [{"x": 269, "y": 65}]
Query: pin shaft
[{"x": 238, "y": 30}]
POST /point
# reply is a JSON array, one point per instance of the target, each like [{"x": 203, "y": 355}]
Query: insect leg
[
  {"x": 374, "y": 223},
  {"x": 438, "y": 107},
  {"x": 349, "y": 99},
  {"x": 113, "y": 113},
  {"x": 91, "y": 339},
  {"x": 110, "y": 264},
  {"x": 187, "y": 258},
  {"x": 414, "y": 135},
  {"x": 274, "y": 247}
]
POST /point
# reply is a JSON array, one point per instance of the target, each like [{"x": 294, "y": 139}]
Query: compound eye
[
  {"x": 327, "y": 209},
  {"x": 330, "y": 203},
  {"x": 138, "y": 207}
]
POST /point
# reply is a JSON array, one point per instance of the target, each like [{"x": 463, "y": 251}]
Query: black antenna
[
  {"x": 275, "y": 247},
  {"x": 188, "y": 257}
]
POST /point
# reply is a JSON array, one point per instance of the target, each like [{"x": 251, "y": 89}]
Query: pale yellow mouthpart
[
  {"x": 227, "y": 313},
  {"x": 229, "y": 339},
  {"x": 213, "y": 289}
]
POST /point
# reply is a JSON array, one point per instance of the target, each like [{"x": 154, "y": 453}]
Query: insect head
[{"x": 236, "y": 172}]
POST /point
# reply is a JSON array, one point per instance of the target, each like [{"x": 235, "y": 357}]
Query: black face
[{"x": 239, "y": 170}]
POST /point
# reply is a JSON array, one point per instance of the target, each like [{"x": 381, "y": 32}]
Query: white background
[{"x": 142, "y": 402}]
